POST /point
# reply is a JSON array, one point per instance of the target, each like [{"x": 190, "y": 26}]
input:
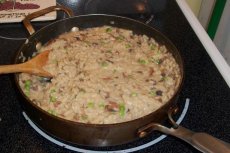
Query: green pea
[
  {"x": 27, "y": 87},
  {"x": 53, "y": 112},
  {"x": 152, "y": 93},
  {"x": 133, "y": 94},
  {"x": 142, "y": 61},
  {"x": 108, "y": 29},
  {"x": 104, "y": 64},
  {"x": 90, "y": 104},
  {"x": 122, "y": 110}
]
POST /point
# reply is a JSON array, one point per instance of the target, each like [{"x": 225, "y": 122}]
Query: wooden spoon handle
[
  {"x": 33, "y": 66},
  {"x": 15, "y": 68},
  {"x": 26, "y": 67}
]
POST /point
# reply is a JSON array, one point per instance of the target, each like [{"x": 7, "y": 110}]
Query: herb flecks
[
  {"x": 104, "y": 64},
  {"x": 109, "y": 29},
  {"x": 122, "y": 109},
  {"x": 133, "y": 94},
  {"x": 27, "y": 87},
  {"x": 90, "y": 104},
  {"x": 143, "y": 61},
  {"x": 52, "y": 96}
]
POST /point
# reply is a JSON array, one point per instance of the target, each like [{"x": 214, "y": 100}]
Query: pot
[{"x": 99, "y": 134}]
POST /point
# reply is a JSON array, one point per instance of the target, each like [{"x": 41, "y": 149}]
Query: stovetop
[{"x": 209, "y": 107}]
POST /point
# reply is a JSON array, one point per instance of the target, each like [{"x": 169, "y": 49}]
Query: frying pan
[{"x": 106, "y": 134}]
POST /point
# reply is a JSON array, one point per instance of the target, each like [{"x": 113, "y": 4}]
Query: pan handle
[
  {"x": 201, "y": 141},
  {"x": 28, "y": 18}
]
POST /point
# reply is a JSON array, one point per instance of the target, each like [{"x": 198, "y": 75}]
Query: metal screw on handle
[{"x": 149, "y": 20}]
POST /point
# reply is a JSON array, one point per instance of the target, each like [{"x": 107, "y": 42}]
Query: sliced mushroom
[{"x": 112, "y": 107}]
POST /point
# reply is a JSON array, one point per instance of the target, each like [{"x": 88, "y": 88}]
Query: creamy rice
[{"x": 104, "y": 75}]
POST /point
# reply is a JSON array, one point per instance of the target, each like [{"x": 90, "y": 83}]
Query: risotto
[{"x": 103, "y": 75}]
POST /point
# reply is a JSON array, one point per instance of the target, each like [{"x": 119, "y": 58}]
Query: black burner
[
  {"x": 123, "y": 8},
  {"x": 142, "y": 10}
]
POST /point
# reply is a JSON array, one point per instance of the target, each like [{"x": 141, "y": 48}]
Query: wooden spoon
[{"x": 33, "y": 66}]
